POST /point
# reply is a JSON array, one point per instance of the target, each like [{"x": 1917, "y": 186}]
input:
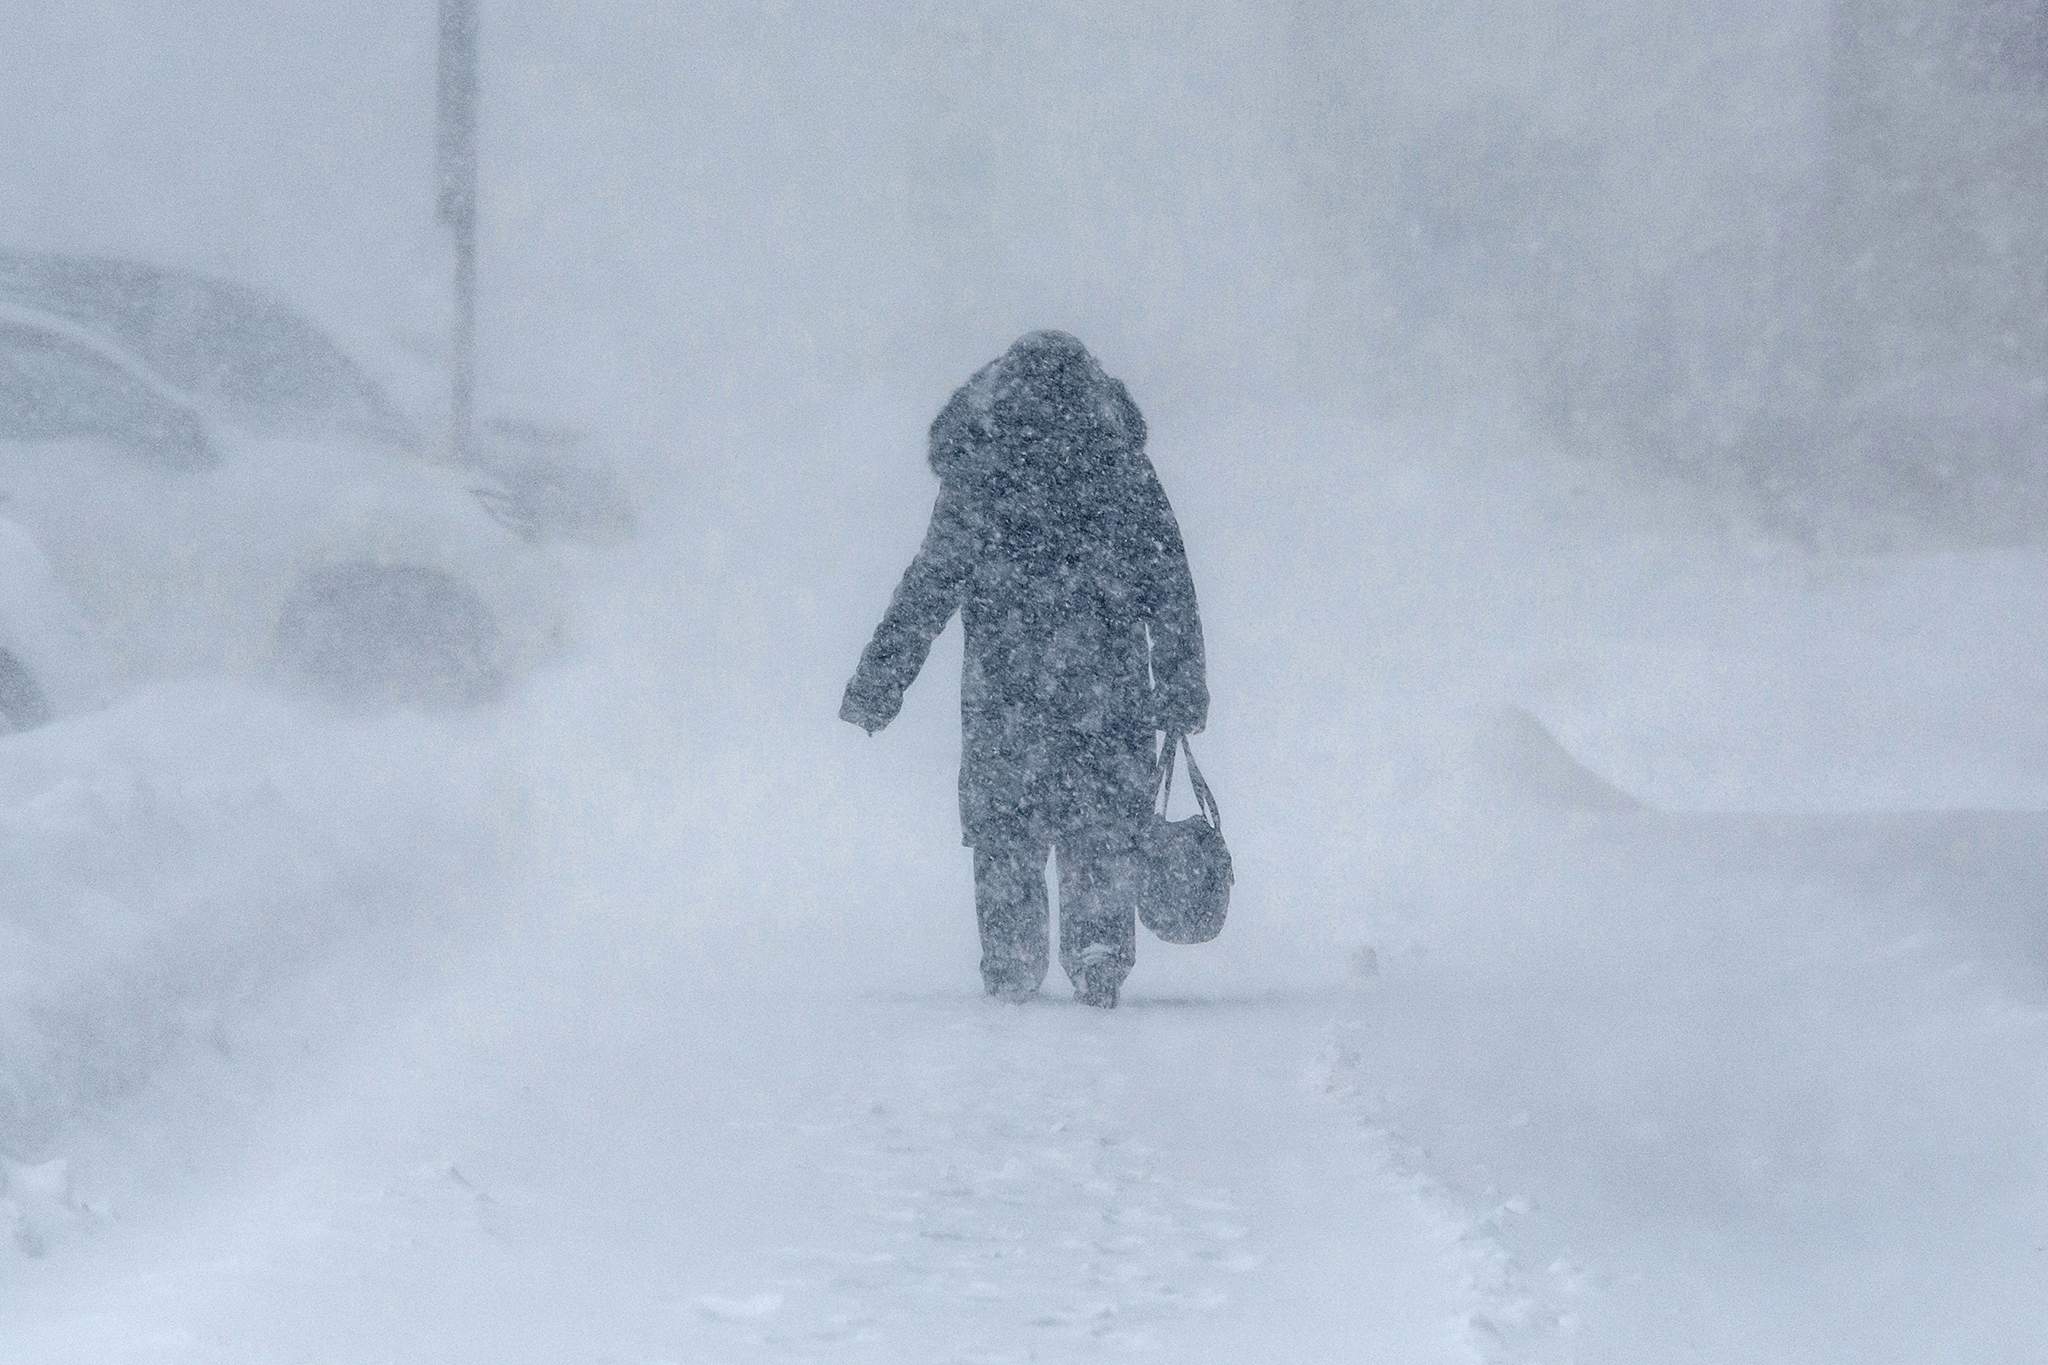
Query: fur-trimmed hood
[{"x": 1047, "y": 402}]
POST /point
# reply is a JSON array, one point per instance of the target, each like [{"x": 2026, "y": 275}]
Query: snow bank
[
  {"x": 166, "y": 858},
  {"x": 1790, "y": 682},
  {"x": 1770, "y": 1087}
]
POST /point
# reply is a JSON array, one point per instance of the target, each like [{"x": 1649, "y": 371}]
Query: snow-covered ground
[
  {"x": 632, "y": 1019},
  {"x": 871, "y": 1176}
]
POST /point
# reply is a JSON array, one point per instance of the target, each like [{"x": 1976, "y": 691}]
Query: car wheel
[
  {"x": 390, "y": 633},
  {"x": 22, "y": 704}
]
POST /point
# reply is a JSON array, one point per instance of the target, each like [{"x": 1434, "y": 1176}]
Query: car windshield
[
  {"x": 255, "y": 360},
  {"x": 51, "y": 386}
]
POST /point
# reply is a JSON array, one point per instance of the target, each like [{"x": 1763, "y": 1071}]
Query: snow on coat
[{"x": 1054, "y": 540}]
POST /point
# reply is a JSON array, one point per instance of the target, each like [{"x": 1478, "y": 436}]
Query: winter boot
[
  {"x": 1013, "y": 990},
  {"x": 1097, "y": 983}
]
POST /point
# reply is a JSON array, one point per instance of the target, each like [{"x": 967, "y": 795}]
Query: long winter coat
[{"x": 1053, "y": 539}]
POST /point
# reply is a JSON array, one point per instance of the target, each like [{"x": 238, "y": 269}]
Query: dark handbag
[{"x": 1185, "y": 875}]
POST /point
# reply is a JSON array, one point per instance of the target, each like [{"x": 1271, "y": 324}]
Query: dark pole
[{"x": 456, "y": 147}]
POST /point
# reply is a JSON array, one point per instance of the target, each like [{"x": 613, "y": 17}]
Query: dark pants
[{"x": 1097, "y": 909}]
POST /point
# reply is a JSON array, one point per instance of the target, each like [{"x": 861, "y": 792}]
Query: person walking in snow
[{"x": 1053, "y": 539}]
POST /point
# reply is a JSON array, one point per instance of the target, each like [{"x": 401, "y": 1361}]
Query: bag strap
[
  {"x": 1162, "y": 790},
  {"x": 1202, "y": 792},
  {"x": 1162, "y": 775}
]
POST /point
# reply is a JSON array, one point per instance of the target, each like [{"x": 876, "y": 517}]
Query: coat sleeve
[
  {"x": 925, "y": 600},
  {"x": 1180, "y": 675}
]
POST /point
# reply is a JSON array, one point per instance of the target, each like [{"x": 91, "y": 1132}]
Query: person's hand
[{"x": 854, "y": 711}]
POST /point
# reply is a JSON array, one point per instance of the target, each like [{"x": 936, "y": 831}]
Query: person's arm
[
  {"x": 1180, "y": 675},
  {"x": 925, "y": 600}
]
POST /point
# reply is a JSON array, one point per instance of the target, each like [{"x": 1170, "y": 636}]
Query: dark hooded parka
[{"x": 1053, "y": 539}]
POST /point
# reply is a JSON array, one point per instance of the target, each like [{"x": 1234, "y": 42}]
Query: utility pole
[{"x": 456, "y": 169}]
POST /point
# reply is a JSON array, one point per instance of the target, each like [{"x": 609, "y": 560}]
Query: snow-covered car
[
  {"x": 192, "y": 542},
  {"x": 254, "y": 363}
]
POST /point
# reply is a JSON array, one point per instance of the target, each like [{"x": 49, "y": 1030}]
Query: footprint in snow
[{"x": 752, "y": 1308}]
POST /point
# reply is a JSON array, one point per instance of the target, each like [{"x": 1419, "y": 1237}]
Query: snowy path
[{"x": 929, "y": 1178}]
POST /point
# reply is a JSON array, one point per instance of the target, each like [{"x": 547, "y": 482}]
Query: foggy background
[
  {"x": 1609, "y": 442},
  {"x": 1734, "y": 246}
]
